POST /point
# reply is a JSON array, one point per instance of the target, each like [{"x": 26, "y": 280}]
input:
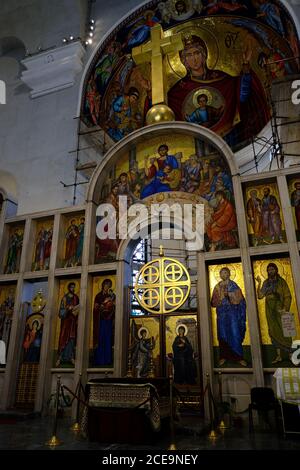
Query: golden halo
[
  {"x": 249, "y": 191},
  {"x": 292, "y": 184},
  {"x": 266, "y": 187},
  {"x": 77, "y": 288},
  {"x": 148, "y": 12},
  {"x": 140, "y": 332},
  {"x": 217, "y": 269},
  {"x": 188, "y": 3},
  {"x": 202, "y": 91},
  {"x": 35, "y": 317},
  {"x": 160, "y": 197},
  {"x": 38, "y": 302},
  {"x": 183, "y": 326},
  {"x": 106, "y": 279},
  {"x": 192, "y": 29},
  {"x": 264, "y": 265}
]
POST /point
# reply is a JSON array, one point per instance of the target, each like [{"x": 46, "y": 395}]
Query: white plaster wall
[
  {"x": 36, "y": 135},
  {"x": 35, "y": 138},
  {"x": 40, "y": 22},
  {"x": 1, "y": 381}
]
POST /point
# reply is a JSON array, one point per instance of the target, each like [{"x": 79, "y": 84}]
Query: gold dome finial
[{"x": 159, "y": 113}]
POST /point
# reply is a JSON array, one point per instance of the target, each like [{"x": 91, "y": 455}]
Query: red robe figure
[
  {"x": 72, "y": 236},
  {"x": 219, "y": 230},
  {"x": 68, "y": 313},
  {"x": 245, "y": 110}
]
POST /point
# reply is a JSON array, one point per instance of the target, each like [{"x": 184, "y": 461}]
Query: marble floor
[{"x": 190, "y": 434}]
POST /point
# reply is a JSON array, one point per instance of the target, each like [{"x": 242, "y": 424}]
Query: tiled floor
[{"x": 31, "y": 434}]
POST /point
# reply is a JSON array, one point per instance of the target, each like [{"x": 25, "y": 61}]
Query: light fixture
[
  {"x": 64, "y": 40},
  {"x": 71, "y": 38},
  {"x": 90, "y": 31}
]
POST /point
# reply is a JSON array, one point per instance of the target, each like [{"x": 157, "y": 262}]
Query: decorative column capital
[{"x": 53, "y": 70}]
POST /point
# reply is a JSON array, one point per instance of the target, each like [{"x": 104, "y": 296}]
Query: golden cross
[
  {"x": 172, "y": 271},
  {"x": 151, "y": 297},
  {"x": 155, "y": 52},
  {"x": 151, "y": 274},
  {"x": 172, "y": 296}
]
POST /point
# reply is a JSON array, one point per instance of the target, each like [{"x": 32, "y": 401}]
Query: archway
[
  {"x": 112, "y": 156},
  {"x": 108, "y": 78},
  {"x": 206, "y": 165},
  {"x": 156, "y": 354}
]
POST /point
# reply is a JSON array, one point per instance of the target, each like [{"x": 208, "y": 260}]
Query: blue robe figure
[
  {"x": 231, "y": 318},
  {"x": 270, "y": 13},
  {"x": 124, "y": 116},
  {"x": 205, "y": 114},
  {"x": 156, "y": 186},
  {"x": 141, "y": 33},
  {"x": 221, "y": 178},
  {"x": 221, "y": 181},
  {"x": 199, "y": 116}
]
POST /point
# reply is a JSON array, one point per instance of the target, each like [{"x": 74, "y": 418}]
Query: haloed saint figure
[
  {"x": 278, "y": 299},
  {"x": 142, "y": 351},
  {"x": 242, "y": 95},
  {"x": 103, "y": 324},
  {"x": 230, "y": 306},
  {"x": 185, "y": 370},
  {"x": 68, "y": 314}
]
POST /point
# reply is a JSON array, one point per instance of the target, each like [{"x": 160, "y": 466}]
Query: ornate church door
[{"x": 163, "y": 323}]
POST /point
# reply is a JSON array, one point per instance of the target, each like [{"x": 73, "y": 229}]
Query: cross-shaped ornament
[{"x": 155, "y": 51}]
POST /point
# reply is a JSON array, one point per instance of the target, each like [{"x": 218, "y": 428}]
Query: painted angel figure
[
  {"x": 14, "y": 252},
  {"x": 141, "y": 352},
  {"x": 140, "y": 29},
  {"x": 124, "y": 116}
]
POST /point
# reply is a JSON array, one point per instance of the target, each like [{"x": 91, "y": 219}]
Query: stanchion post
[
  {"x": 220, "y": 387},
  {"x": 222, "y": 425},
  {"x": 76, "y": 425},
  {"x": 54, "y": 441},
  {"x": 171, "y": 402},
  {"x": 212, "y": 435},
  {"x": 172, "y": 445}
]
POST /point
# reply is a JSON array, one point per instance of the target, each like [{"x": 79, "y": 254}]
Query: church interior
[{"x": 149, "y": 224}]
